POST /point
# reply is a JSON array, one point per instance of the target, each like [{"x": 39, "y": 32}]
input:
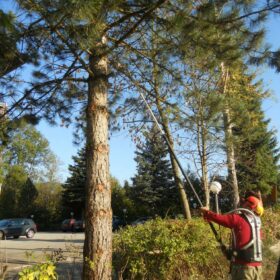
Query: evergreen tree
[
  {"x": 257, "y": 149},
  {"x": 73, "y": 195},
  {"x": 153, "y": 188},
  {"x": 84, "y": 38},
  {"x": 28, "y": 194},
  {"x": 224, "y": 28},
  {"x": 80, "y": 37},
  {"x": 10, "y": 57}
]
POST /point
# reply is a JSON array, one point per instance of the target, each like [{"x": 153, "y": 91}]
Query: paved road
[{"x": 18, "y": 253}]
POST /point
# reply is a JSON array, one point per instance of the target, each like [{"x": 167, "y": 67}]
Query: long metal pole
[
  {"x": 217, "y": 203},
  {"x": 171, "y": 149},
  {"x": 181, "y": 168}
]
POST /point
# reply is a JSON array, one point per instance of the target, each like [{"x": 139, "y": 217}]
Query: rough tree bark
[
  {"x": 228, "y": 125},
  {"x": 175, "y": 167},
  {"x": 231, "y": 156},
  {"x": 202, "y": 150},
  {"x": 98, "y": 230}
]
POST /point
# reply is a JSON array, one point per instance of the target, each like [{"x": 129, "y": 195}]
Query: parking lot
[{"x": 66, "y": 247}]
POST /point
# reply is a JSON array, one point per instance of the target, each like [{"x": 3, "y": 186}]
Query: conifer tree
[
  {"x": 223, "y": 26},
  {"x": 80, "y": 36},
  {"x": 10, "y": 57},
  {"x": 257, "y": 149},
  {"x": 81, "y": 39},
  {"x": 153, "y": 187},
  {"x": 73, "y": 196}
]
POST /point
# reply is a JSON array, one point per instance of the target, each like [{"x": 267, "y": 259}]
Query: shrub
[
  {"x": 271, "y": 234},
  {"x": 168, "y": 249},
  {"x": 45, "y": 271}
]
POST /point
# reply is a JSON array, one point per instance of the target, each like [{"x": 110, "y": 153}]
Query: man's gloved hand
[{"x": 203, "y": 210}]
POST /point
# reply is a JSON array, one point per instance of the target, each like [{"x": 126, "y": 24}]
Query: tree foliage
[
  {"x": 10, "y": 57},
  {"x": 257, "y": 148},
  {"x": 73, "y": 193},
  {"x": 27, "y": 196},
  {"x": 48, "y": 209},
  {"x": 28, "y": 148},
  {"x": 74, "y": 189},
  {"x": 153, "y": 187},
  {"x": 11, "y": 189}
]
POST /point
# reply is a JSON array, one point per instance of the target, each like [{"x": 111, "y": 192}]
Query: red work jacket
[{"x": 239, "y": 225}]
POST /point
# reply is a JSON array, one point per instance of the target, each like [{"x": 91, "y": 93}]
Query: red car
[{"x": 72, "y": 225}]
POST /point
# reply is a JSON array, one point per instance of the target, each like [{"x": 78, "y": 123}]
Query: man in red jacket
[{"x": 246, "y": 251}]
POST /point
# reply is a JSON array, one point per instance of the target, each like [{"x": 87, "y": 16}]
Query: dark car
[
  {"x": 117, "y": 223},
  {"x": 141, "y": 221},
  {"x": 17, "y": 227},
  {"x": 72, "y": 225}
]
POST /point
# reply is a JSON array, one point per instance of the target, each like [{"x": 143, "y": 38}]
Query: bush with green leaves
[
  {"x": 168, "y": 249},
  {"x": 271, "y": 237},
  {"x": 44, "y": 271}
]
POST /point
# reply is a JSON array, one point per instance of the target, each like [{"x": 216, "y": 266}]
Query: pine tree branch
[
  {"x": 141, "y": 53},
  {"x": 28, "y": 92},
  {"x": 123, "y": 19},
  {"x": 133, "y": 28},
  {"x": 251, "y": 14},
  {"x": 139, "y": 86},
  {"x": 78, "y": 56}
]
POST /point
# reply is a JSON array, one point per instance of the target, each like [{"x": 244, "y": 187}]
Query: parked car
[
  {"x": 140, "y": 221},
  {"x": 72, "y": 225},
  {"x": 17, "y": 227},
  {"x": 117, "y": 223}
]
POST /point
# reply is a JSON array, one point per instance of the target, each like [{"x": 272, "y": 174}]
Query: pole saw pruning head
[{"x": 215, "y": 187}]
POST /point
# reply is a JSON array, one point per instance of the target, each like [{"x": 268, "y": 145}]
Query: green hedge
[
  {"x": 179, "y": 249},
  {"x": 168, "y": 249},
  {"x": 271, "y": 236}
]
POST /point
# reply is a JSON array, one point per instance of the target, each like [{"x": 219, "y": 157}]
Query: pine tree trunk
[
  {"x": 203, "y": 161},
  {"x": 181, "y": 189},
  {"x": 175, "y": 167},
  {"x": 201, "y": 147},
  {"x": 98, "y": 216}
]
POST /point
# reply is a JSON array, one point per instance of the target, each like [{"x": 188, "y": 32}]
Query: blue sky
[
  {"x": 271, "y": 106},
  {"x": 122, "y": 165}
]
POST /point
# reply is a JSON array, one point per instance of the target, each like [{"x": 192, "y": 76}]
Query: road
[{"x": 65, "y": 247}]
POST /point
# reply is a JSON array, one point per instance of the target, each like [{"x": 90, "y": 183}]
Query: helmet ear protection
[
  {"x": 255, "y": 204},
  {"x": 259, "y": 210}
]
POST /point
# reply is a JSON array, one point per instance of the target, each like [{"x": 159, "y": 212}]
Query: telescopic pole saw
[{"x": 180, "y": 166}]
